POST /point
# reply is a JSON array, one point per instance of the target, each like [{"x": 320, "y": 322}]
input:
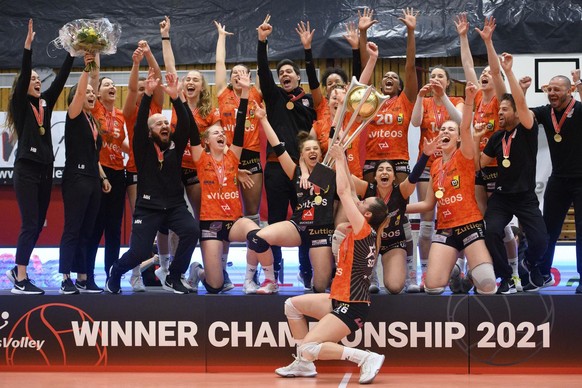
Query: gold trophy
[{"x": 364, "y": 102}]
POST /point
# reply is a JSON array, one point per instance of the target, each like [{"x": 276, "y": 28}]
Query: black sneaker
[
  {"x": 113, "y": 284},
  {"x": 175, "y": 286},
  {"x": 536, "y": 280},
  {"x": 227, "y": 285},
  {"x": 506, "y": 287},
  {"x": 12, "y": 274},
  {"x": 548, "y": 281},
  {"x": 26, "y": 287},
  {"x": 68, "y": 288},
  {"x": 88, "y": 286}
]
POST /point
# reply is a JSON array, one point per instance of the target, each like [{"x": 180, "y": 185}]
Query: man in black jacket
[{"x": 160, "y": 193}]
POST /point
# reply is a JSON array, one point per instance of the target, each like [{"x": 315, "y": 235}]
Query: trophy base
[{"x": 322, "y": 175}]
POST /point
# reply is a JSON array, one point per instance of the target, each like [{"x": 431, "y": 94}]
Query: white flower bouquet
[{"x": 89, "y": 36}]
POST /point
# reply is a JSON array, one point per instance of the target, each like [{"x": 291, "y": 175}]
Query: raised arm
[
  {"x": 76, "y": 106},
  {"x": 467, "y": 148},
  {"x": 418, "y": 110},
  {"x": 462, "y": 26},
  {"x": 454, "y": 113},
  {"x": 365, "y": 21},
  {"x": 167, "y": 52},
  {"x": 344, "y": 185},
  {"x": 492, "y": 58},
  {"x": 264, "y": 75},
  {"x": 158, "y": 96},
  {"x": 284, "y": 158},
  {"x": 306, "y": 35},
  {"x": 429, "y": 148},
  {"x": 94, "y": 75},
  {"x": 220, "y": 76},
  {"x": 372, "y": 50},
  {"x": 352, "y": 35},
  {"x": 525, "y": 116},
  {"x": 411, "y": 80},
  {"x": 239, "y": 130},
  {"x": 132, "y": 83}
]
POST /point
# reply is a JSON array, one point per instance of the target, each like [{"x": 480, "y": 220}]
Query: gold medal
[
  {"x": 317, "y": 200},
  {"x": 247, "y": 123},
  {"x": 41, "y": 130},
  {"x": 506, "y": 163},
  {"x": 439, "y": 193},
  {"x": 557, "y": 138},
  {"x": 290, "y": 105}
]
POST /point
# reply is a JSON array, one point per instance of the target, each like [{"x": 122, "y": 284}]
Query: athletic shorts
[
  {"x": 399, "y": 165},
  {"x": 315, "y": 236},
  {"x": 352, "y": 314},
  {"x": 189, "y": 177},
  {"x": 387, "y": 245},
  {"x": 460, "y": 237},
  {"x": 487, "y": 177},
  {"x": 130, "y": 178},
  {"x": 251, "y": 161},
  {"x": 215, "y": 230}
]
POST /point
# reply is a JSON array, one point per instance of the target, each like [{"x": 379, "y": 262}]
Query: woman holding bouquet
[
  {"x": 29, "y": 121},
  {"x": 83, "y": 181}
]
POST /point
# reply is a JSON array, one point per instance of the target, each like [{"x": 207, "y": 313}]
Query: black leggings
[{"x": 32, "y": 184}]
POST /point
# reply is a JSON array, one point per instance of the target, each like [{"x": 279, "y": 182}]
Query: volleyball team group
[{"x": 476, "y": 171}]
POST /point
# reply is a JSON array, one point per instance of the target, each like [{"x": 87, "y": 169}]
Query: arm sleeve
[
  {"x": 310, "y": 69},
  {"x": 265, "y": 77},
  {"x": 239, "y": 130},
  {"x": 418, "y": 168},
  {"x": 356, "y": 64},
  {"x": 182, "y": 132},
  {"x": 141, "y": 130},
  {"x": 194, "y": 131}
]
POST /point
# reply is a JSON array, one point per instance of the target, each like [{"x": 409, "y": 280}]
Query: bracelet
[
  {"x": 103, "y": 179},
  {"x": 165, "y": 38}
]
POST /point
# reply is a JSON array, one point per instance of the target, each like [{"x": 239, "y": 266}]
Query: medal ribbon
[
  {"x": 506, "y": 144},
  {"x": 558, "y": 126},
  {"x": 38, "y": 113},
  {"x": 160, "y": 154},
  {"x": 92, "y": 126},
  {"x": 297, "y": 97},
  {"x": 443, "y": 171},
  {"x": 219, "y": 171},
  {"x": 109, "y": 121},
  {"x": 438, "y": 116}
]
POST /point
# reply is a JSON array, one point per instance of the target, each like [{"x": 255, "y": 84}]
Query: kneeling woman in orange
[
  {"x": 345, "y": 310},
  {"x": 460, "y": 223},
  {"x": 221, "y": 218}
]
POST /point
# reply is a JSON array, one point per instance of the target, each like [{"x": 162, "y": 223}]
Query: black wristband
[
  {"x": 279, "y": 149},
  {"x": 165, "y": 38},
  {"x": 104, "y": 179}
]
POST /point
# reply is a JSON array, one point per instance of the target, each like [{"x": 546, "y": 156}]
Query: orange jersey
[
  {"x": 130, "y": 124},
  {"x": 321, "y": 128},
  {"x": 487, "y": 113},
  {"x": 388, "y": 132},
  {"x": 228, "y": 103},
  {"x": 219, "y": 185},
  {"x": 433, "y": 117},
  {"x": 203, "y": 123},
  {"x": 456, "y": 178},
  {"x": 112, "y": 131},
  {"x": 356, "y": 259}
]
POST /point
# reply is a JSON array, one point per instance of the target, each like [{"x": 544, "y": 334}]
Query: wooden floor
[{"x": 255, "y": 380}]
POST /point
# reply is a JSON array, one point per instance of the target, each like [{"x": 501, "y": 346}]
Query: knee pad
[
  {"x": 434, "y": 291},
  {"x": 483, "y": 277},
  {"x": 309, "y": 351},
  {"x": 508, "y": 234},
  {"x": 426, "y": 229},
  {"x": 255, "y": 218},
  {"x": 291, "y": 312},
  {"x": 257, "y": 243},
  {"x": 336, "y": 241},
  {"x": 210, "y": 289},
  {"x": 407, "y": 231}
]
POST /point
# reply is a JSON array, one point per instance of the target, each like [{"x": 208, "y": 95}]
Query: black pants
[
  {"x": 109, "y": 219},
  {"x": 500, "y": 210},
  {"x": 559, "y": 195},
  {"x": 281, "y": 193},
  {"x": 32, "y": 185},
  {"x": 81, "y": 197},
  {"x": 146, "y": 223}
]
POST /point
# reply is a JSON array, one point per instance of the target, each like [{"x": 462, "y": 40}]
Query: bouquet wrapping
[{"x": 89, "y": 36}]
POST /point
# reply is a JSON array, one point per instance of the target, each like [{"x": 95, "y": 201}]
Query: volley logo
[{"x": 15, "y": 343}]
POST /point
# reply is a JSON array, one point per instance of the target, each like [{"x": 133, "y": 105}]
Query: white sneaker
[
  {"x": 137, "y": 283},
  {"x": 194, "y": 275},
  {"x": 370, "y": 366},
  {"x": 186, "y": 284},
  {"x": 161, "y": 274},
  {"x": 268, "y": 287},
  {"x": 250, "y": 287},
  {"x": 517, "y": 282},
  {"x": 298, "y": 368}
]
